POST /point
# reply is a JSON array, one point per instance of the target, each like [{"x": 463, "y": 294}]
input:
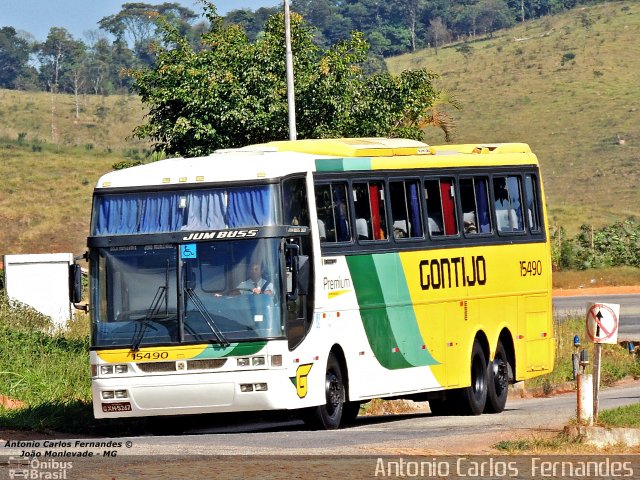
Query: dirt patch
[
  {"x": 10, "y": 403},
  {"x": 572, "y": 292}
]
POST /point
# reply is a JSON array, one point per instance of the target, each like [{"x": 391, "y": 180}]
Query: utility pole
[{"x": 291, "y": 101}]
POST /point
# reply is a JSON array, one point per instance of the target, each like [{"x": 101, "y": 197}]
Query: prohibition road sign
[{"x": 602, "y": 322}]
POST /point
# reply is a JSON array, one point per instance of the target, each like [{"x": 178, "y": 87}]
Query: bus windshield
[{"x": 219, "y": 292}]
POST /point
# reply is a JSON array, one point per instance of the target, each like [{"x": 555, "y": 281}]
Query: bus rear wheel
[
  {"x": 473, "y": 399},
  {"x": 329, "y": 415},
  {"x": 498, "y": 381}
]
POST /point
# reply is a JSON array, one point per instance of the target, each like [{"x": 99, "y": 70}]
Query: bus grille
[{"x": 204, "y": 364}]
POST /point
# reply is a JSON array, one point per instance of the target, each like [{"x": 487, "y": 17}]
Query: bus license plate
[{"x": 116, "y": 407}]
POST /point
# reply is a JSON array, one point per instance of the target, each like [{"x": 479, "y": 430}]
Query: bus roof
[
  {"x": 352, "y": 154},
  {"x": 280, "y": 158},
  {"x": 225, "y": 166}
]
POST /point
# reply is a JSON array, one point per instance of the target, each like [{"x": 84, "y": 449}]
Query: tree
[
  {"x": 232, "y": 92},
  {"x": 14, "y": 57},
  {"x": 412, "y": 9},
  {"x": 57, "y": 55},
  {"x": 438, "y": 32},
  {"x": 136, "y": 25}
]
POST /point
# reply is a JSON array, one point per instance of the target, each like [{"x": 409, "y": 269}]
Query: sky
[{"x": 79, "y": 16}]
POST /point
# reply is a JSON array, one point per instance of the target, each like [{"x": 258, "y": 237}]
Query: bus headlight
[
  {"x": 258, "y": 361},
  {"x": 121, "y": 369},
  {"x": 108, "y": 395},
  {"x": 106, "y": 369},
  {"x": 243, "y": 362}
]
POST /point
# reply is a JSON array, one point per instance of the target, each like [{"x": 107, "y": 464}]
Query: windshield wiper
[
  {"x": 145, "y": 323},
  {"x": 191, "y": 294}
]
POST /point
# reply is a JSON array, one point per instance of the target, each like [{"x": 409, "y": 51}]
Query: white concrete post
[{"x": 585, "y": 399}]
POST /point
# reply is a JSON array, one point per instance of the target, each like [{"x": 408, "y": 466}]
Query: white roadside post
[
  {"x": 584, "y": 388},
  {"x": 602, "y": 327}
]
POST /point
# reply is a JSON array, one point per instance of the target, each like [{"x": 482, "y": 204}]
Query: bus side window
[
  {"x": 441, "y": 206},
  {"x": 508, "y": 203},
  {"x": 333, "y": 212},
  {"x": 474, "y": 199},
  {"x": 294, "y": 198},
  {"x": 368, "y": 200},
  {"x": 531, "y": 189},
  {"x": 405, "y": 209}
]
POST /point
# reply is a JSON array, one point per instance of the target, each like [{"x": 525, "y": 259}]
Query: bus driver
[{"x": 255, "y": 284}]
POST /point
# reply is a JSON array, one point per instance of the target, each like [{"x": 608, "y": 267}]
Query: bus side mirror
[
  {"x": 75, "y": 283},
  {"x": 75, "y": 286}
]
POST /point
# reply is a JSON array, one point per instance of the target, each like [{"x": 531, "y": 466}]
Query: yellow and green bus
[{"x": 316, "y": 275}]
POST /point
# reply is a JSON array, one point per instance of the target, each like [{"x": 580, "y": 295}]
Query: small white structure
[{"x": 42, "y": 282}]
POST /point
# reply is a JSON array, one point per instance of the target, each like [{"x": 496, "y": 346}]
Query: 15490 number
[
  {"x": 149, "y": 355},
  {"x": 530, "y": 268}
]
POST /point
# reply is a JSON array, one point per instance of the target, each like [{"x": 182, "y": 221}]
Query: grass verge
[{"x": 627, "y": 416}]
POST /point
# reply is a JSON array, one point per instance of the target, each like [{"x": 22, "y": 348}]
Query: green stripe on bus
[
  {"x": 392, "y": 330},
  {"x": 343, "y": 164},
  {"x": 402, "y": 317},
  {"x": 235, "y": 349}
]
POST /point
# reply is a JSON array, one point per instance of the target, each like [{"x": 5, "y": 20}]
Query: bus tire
[
  {"x": 329, "y": 415},
  {"x": 497, "y": 381},
  {"x": 474, "y": 398}
]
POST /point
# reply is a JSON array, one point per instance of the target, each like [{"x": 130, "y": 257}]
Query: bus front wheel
[
  {"x": 474, "y": 398},
  {"x": 329, "y": 415}
]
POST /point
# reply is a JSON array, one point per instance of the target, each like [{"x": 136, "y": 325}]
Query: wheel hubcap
[
  {"x": 334, "y": 392},
  {"x": 500, "y": 375}
]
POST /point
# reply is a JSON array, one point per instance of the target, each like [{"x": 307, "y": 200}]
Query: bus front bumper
[{"x": 193, "y": 393}]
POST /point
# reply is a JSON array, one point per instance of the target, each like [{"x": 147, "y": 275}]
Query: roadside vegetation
[
  {"x": 627, "y": 416},
  {"x": 47, "y": 372},
  {"x": 617, "y": 362}
]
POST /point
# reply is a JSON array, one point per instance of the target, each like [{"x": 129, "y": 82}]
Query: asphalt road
[
  {"x": 412, "y": 433},
  {"x": 629, "y": 323}
]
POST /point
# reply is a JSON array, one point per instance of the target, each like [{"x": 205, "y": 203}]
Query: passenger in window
[
  {"x": 342, "y": 224},
  {"x": 399, "y": 232},
  {"x": 469, "y": 222}
]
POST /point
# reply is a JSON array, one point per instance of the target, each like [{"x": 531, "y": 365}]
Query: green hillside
[
  {"x": 569, "y": 85},
  {"x": 46, "y": 186}
]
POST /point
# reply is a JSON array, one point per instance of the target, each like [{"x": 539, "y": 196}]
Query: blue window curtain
[
  {"x": 250, "y": 206},
  {"x": 483, "y": 205},
  {"x": 414, "y": 210},
  {"x": 205, "y": 211},
  {"x": 153, "y": 212}
]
